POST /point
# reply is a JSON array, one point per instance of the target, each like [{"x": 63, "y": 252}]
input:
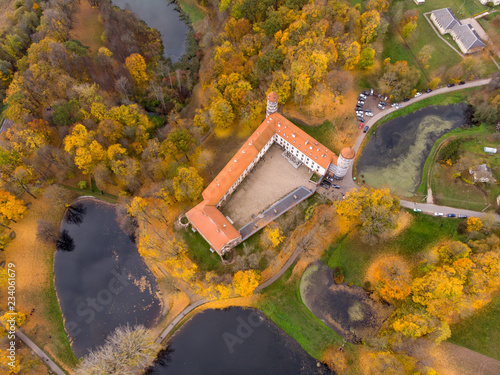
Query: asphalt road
[{"x": 348, "y": 183}]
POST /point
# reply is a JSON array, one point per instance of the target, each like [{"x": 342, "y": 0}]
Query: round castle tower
[
  {"x": 344, "y": 161},
  {"x": 272, "y": 103}
]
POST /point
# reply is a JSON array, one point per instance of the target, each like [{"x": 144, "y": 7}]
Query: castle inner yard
[{"x": 271, "y": 179}]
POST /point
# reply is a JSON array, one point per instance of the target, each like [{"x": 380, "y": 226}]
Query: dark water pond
[
  {"x": 100, "y": 279},
  {"x": 233, "y": 341},
  {"x": 161, "y": 15},
  {"x": 395, "y": 156}
]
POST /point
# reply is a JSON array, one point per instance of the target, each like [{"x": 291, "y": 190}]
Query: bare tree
[{"x": 127, "y": 351}]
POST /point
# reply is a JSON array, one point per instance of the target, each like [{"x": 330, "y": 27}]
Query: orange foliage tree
[{"x": 391, "y": 278}]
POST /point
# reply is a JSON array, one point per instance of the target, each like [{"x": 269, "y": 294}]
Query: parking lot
[{"x": 371, "y": 103}]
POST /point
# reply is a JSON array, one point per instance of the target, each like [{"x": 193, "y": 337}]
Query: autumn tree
[
  {"x": 11, "y": 208},
  {"x": 376, "y": 211},
  {"x": 366, "y": 58},
  {"x": 474, "y": 224},
  {"x": 179, "y": 141},
  {"x": 188, "y": 184},
  {"x": 87, "y": 152},
  {"x": 137, "y": 68},
  {"x": 390, "y": 277},
  {"x": 245, "y": 282},
  {"x": 272, "y": 236},
  {"x": 126, "y": 351},
  {"x": 335, "y": 360},
  {"x": 369, "y": 24},
  {"x": 350, "y": 54},
  {"x": 399, "y": 79}
]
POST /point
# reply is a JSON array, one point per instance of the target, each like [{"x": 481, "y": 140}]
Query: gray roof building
[
  {"x": 468, "y": 36},
  {"x": 445, "y": 18},
  {"x": 464, "y": 34}
]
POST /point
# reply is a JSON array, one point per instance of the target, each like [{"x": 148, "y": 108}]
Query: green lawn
[
  {"x": 449, "y": 190},
  {"x": 199, "y": 251},
  {"x": 192, "y": 10},
  {"x": 355, "y": 256},
  {"x": 282, "y": 303},
  {"x": 480, "y": 332}
]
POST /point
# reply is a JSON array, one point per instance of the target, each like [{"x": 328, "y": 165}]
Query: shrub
[
  {"x": 82, "y": 185},
  {"x": 338, "y": 275}
]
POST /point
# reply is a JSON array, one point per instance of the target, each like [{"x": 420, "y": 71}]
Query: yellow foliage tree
[
  {"x": 11, "y": 208},
  {"x": 245, "y": 282},
  {"x": 335, "y": 360},
  {"x": 19, "y": 317},
  {"x": 137, "y": 67},
  {"x": 188, "y": 184},
  {"x": 6, "y": 364},
  {"x": 391, "y": 278},
  {"x": 474, "y": 224},
  {"x": 272, "y": 236}
]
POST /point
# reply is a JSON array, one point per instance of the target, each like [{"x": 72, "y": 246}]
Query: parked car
[
  {"x": 366, "y": 93},
  {"x": 438, "y": 214},
  {"x": 461, "y": 83},
  {"x": 327, "y": 182},
  {"x": 369, "y": 114},
  {"x": 323, "y": 185},
  {"x": 371, "y": 91},
  {"x": 462, "y": 216},
  {"x": 361, "y": 102},
  {"x": 336, "y": 186},
  {"x": 382, "y": 103},
  {"x": 451, "y": 84},
  {"x": 361, "y": 124},
  {"x": 417, "y": 94},
  {"x": 428, "y": 91},
  {"x": 366, "y": 129},
  {"x": 361, "y": 97},
  {"x": 360, "y": 119},
  {"x": 417, "y": 210},
  {"x": 399, "y": 106},
  {"x": 329, "y": 178},
  {"x": 380, "y": 106},
  {"x": 394, "y": 105},
  {"x": 406, "y": 100},
  {"x": 450, "y": 215}
]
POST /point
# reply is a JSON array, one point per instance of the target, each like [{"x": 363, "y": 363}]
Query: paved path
[
  {"x": 348, "y": 183},
  {"x": 40, "y": 353}
]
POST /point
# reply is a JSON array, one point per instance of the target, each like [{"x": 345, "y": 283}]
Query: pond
[
  {"x": 100, "y": 279},
  {"x": 233, "y": 341},
  {"x": 161, "y": 15},
  {"x": 395, "y": 155}
]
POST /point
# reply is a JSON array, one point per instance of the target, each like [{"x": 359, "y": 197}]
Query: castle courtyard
[{"x": 271, "y": 179}]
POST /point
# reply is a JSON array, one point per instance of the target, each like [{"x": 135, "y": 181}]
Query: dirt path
[
  {"x": 451, "y": 359},
  {"x": 40, "y": 353}
]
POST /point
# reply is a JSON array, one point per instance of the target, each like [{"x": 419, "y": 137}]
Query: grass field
[
  {"x": 480, "y": 332},
  {"x": 322, "y": 133},
  {"x": 282, "y": 303},
  {"x": 192, "y": 9},
  {"x": 355, "y": 256},
  {"x": 450, "y": 191}
]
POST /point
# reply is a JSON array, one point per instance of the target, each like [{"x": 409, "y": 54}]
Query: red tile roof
[{"x": 206, "y": 218}]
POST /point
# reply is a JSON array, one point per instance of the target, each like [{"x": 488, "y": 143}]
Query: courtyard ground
[{"x": 271, "y": 179}]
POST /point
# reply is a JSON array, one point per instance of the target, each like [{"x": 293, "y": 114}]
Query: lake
[
  {"x": 161, "y": 15},
  {"x": 395, "y": 155},
  {"x": 233, "y": 341},
  {"x": 100, "y": 279}
]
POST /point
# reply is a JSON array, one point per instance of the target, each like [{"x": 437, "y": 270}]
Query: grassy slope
[
  {"x": 480, "y": 332},
  {"x": 354, "y": 256},
  {"x": 283, "y": 305},
  {"x": 192, "y": 10}
]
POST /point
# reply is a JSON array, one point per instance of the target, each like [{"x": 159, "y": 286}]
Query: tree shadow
[
  {"x": 65, "y": 242},
  {"x": 75, "y": 213},
  {"x": 162, "y": 361}
]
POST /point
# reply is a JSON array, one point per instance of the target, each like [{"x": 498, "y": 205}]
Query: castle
[{"x": 208, "y": 220}]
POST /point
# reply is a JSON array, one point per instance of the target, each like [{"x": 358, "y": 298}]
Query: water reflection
[
  {"x": 75, "y": 213},
  {"x": 65, "y": 242}
]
